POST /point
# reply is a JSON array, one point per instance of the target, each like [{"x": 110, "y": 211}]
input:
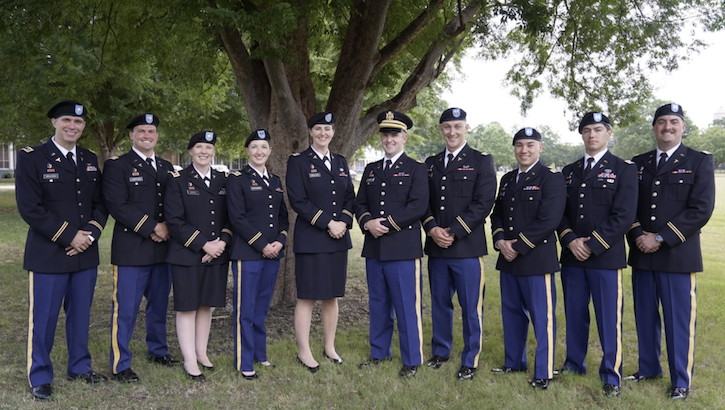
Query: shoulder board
[
  {"x": 485, "y": 154},
  {"x": 296, "y": 154},
  {"x": 28, "y": 150},
  {"x": 629, "y": 161},
  {"x": 113, "y": 158},
  {"x": 707, "y": 152},
  {"x": 553, "y": 171},
  {"x": 236, "y": 173},
  {"x": 175, "y": 174}
]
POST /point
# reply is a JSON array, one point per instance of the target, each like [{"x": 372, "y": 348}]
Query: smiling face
[
  {"x": 595, "y": 137},
  {"x": 454, "y": 132},
  {"x": 393, "y": 142},
  {"x": 258, "y": 152},
  {"x": 321, "y": 136},
  {"x": 668, "y": 131},
  {"x": 144, "y": 138},
  {"x": 527, "y": 152},
  {"x": 68, "y": 129},
  {"x": 201, "y": 154}
]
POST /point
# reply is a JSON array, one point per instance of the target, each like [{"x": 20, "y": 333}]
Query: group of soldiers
[{"x": 658, "y": 202}]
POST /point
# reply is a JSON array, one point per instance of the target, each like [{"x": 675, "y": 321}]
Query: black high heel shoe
[
  {"x": 311, "y": 369},
  {"x": 198, "y": 378},
  {"x": 336, "y": 361}
]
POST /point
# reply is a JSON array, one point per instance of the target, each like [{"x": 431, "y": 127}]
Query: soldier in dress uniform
[
  {"x": 391, "y": 200},
  {"x": 58, "y": 192},
  {"x": 462, "y": 184},
  {"x": 258, "y": 215},
  {"x": 133, "y": 189},
  {"x": 196, "y": 215},
  {"x": 528, "y": 208},
  {"x": 320, "y": 190},
  {"x": 600, "y": 208},
  {"x": 676, "y": 199}
]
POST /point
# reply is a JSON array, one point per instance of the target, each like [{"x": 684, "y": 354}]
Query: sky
[{"x": 698, "y": 85}]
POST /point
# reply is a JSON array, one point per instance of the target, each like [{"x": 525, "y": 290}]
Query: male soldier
[
  {"x": 528, "y": 208},
  {"x": 134, "y": 186},
  {"x": 58, "y": 191},
  {"x": 462, "y": 184},
  {"x": 391, "y": 202},
  {"x": 676, "y": 199},
  {"x": 600, "y": 208}
]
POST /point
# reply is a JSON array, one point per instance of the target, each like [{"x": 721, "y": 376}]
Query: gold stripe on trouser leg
[
  {"x": 31, "y": 323},
  {"x": 238, "y": 347},
  {"x": 693, "y": 319},
  {"x": 620, "y": 301},
  {"x": 549, "y": 328},
  {"x": 419, "y": 306},
  {"x": 114, "y": 322},
  {"x": 479, "y": 312}
]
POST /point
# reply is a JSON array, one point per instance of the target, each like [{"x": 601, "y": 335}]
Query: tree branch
[{"x": 405, "y": 37}]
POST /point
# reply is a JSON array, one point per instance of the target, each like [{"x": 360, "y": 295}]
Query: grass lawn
[{"x": 290, "y": 386}]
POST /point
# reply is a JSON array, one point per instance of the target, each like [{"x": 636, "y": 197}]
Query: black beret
[
  {"x": 527, "y": 133},
  {"x": 260, "y": 135},
  {"x": 394, "y": 121},
  {"x": 143, "y": 119},
  {"x": 68, "y": 107},
  {"x": 321, "y": 118},
  {"x": 208, "y": 137},
  {"x": 452, "y": 114},
  {"x": 669, "y": 109},
  {"x": 593, "y": 118}
]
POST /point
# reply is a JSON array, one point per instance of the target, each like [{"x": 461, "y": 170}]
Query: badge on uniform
[
  {"x": 532, "y": 188},
  {"x": 135, "y": 179},
  {"x": 91, "y": 168},
  {"x": 222, "y": 191},
  {"x": 314, "y": 173},
  {"x": 51, "y": 176},
  {"x": 261, "y": 134},
  {"x": 149, "y": 118}
]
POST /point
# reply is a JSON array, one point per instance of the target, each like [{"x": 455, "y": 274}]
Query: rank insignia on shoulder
[
  {"x": 113, "y": 158},
  {"x": 629, "y": 161},
  {"x": 554, "y": 170},
  {"x": 485, "y": 154},
  {"x": 296, "y": 154},
  {"x": 175, "y": 174},
  {"x": 236, "y": 173},
  {"x": 703, "y": 151},
  {"x": 28, "y": 150}
]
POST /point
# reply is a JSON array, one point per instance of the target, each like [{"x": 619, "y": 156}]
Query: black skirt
[
  {"x": 196, "y": 286},
  {"x": 321, "y": 276}
]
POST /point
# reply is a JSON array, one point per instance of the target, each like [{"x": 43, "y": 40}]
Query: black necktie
[
  {"x": 207, "y": 181},
  {"x": 388, "y": 164},
  {"x": 663, "y": 159},
  {"x": 326, "y": 161},
  {"x": 265, "y": 179},
  {"x": 588, "y": 167},
  {"x": 450, "y": 159},
  {"x": 69, "y": 155},
  {"x": 150, "y": 162}
]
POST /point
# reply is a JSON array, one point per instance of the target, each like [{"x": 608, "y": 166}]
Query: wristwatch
[{"x": 659, "y": 238}]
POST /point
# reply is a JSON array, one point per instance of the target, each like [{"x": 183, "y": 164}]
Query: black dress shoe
[
  {"x": 506, "y": 370},
  {"x": 42, "y": 392},
  {"x": 611, "y": 390},
  {"x": 311, "y": 369},
  {"x": 638, "y": 377},
  {"x": 372, "y": 362},
  {"x": 253, "y": 376},
  {"x": 540, "y": 384},
  {"x": 125, "y": 376},
  {"x": 408, "y": 371},
  {"x": 207, "y": 368},
  {"x": 89, "y": 377},
  {"x": 437, "y": 361},
  {"x": 336, "y": 361},
  {"x": 466, "y": 373},
  {"x": 199, "y": 378},
  {"x": 166, "y": 360},
  {"x": 679, "y": 393}
]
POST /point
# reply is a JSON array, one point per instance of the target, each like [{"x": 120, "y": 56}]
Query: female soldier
[
  {"x": 320, "y": 191},
  {"x": 196, "y": 215},
  {"x": 258, "y": 215}
]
